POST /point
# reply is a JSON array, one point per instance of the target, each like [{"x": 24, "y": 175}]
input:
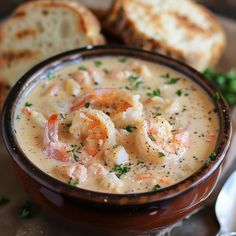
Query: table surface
[{"x": 202, "y": 223}]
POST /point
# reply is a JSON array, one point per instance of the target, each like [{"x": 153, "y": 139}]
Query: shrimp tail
[{"x": 52, "y": 146}]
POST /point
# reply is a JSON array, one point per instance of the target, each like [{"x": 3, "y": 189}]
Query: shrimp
[
  {"x": 122, "y": 107},
  {"x": 86, "y": 79},
  {"x": 97, "y": 170},
  {"x": 75, "y": 172},
  {"x": 94, "y": 129},
  {"x": 156, "y": 142},
  {"x": 53, "y": 148}
]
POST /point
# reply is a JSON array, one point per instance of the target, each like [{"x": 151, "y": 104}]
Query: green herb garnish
[
  {"x": 211, "y": 158},
  {"x": 73, "y": 183},
  {"x": 151, "y": 137},
  {"x": 18, "y": 117},
  {"x": 156, "y": 187},
  {"x": 26, "y": 210},
  {"x": 154, "y": 93},
  {"x": 97, "y": 63},
  {"x": 172, "y": 81},
  {"x": 121, "y": 169},
  {"x": 4, "y": 200},
  {"x": 82, "y": 67},
  {"x": 106, "y": 71},
  {"x": 133, "y": 78},
  {"x": 169, "y": 79},
  {"x": 87, "y": 105},
  {"x": 28, "y": 104},
  {"x": 226, "y": 83},
  {"x": 135, "y": 82},
  {"x": 161, "y": 154},
  {"x": 50, "y": 75},
  {"x": 216, "y": 96},
  {"x": 179, "y": 92},
  {"x": 74, "y": 151},
  {"x": 122, "y": 60},
  {"x": 136, "y": 85},
  {"x": 130, "y": 128}
]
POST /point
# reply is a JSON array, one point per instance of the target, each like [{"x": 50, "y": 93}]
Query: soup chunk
[{"x": 118, "y": 125}]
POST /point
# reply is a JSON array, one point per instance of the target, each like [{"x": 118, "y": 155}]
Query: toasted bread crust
[
  {"x": 127, "y": 27},
  {"x": 87, "y": 26}
]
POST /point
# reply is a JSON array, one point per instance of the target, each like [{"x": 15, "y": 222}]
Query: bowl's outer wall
[{"x": 114, "y": 221}]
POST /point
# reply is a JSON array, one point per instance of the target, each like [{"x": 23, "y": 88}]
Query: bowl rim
[{"x": 113, "y": 199}]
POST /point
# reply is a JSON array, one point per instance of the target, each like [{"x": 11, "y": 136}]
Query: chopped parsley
[
  {"x": 28, "y": 104},
  {"x": 87, "y": 105},
  {"x": 179, "y": 92},
  {"x": 216, "y": 96},
  {"x": 122, "y": 60},
  {"x": 106, "y": 71},
  {"x": 73, "y": 183},
  {"x": 26, "y": 210},
  {"x": 121, "y": 169},
  {"x": 135, "y": 82},
  {"x": 4, "y": 200},
  {"x": 74, "y": 151},
  {"x": 156, "y": 187},
  {"x": 50, "y": 75},
  {"x": 136, "y": 85},
  {"x": 170, "y": 80},
  {"x": 18, "y": 117},
  {"x": 211, "y": 158},
  {"x": 151, "y": 137},
  {"x": 82, "y": 67},
  {"x": 130, "y": 128},
  {"x": 97, "y": 63},
  {"x": 133, "y": 78},
  {"x": 154, "y": 93},
  {"x": 161, "y": 154}
]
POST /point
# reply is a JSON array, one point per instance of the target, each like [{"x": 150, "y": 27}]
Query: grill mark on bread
[
  {"x": 188, "y": 24},
  {"x": 25, "y": 33},
  {"x": 10, "y": 56}
]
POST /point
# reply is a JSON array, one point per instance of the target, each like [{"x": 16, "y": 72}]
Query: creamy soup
[{"x": 118, "y": 125}]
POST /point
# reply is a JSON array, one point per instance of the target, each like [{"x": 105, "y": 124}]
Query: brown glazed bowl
[{"x": 115, "y": 214}]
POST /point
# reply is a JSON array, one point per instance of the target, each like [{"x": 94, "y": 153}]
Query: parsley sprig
[
  {"x": 26, "y": 210},
  {"x": 226, "y": 81},
  {"x": 156, "y": 187},
  {"x": 154, "y": 93},
  {"x": 211, "y": 157},
  {"x": 170, "y": 80},
  {"x": 130, "y": 128},
  {"x": 121, "y": 169},
  {"x": 73, "y": 152},
  {"x": 135, "y": 82}
]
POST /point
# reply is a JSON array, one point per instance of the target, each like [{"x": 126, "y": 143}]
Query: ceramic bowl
[{"x": 115, "y": 213}]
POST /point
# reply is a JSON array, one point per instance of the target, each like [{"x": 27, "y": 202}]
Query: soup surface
[{"x": 119, "y": 125}]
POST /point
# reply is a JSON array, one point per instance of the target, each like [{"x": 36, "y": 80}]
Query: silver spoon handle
[{"x": 226, "y": 234}]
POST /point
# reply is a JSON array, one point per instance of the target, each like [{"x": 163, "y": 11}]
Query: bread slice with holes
[
  {"x": 181, "y": 29},
  {"x": 41, "y": 29}
]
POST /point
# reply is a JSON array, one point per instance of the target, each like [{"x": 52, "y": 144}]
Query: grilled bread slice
[
  {"x": 40, "y": 29},
  {"x": 181, "y": 29}
]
